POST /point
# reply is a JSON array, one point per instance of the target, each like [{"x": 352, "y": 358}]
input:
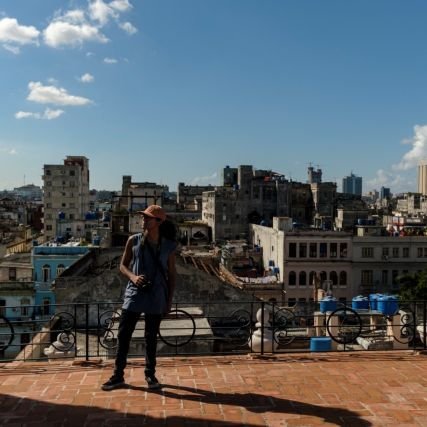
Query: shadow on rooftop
[
  {"x": 18, "y": 411},
  {"x": 259, "y": 403}
]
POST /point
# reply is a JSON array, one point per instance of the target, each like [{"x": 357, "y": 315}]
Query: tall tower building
[
  {"x": 65, "y": 195},
  {"x": 422, "y": 177},
  {"x": 352, "y": 184}
]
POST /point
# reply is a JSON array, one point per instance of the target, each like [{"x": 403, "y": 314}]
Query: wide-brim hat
[{"x": 154, "y": 211}]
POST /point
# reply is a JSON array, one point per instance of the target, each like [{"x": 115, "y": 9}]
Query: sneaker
[
  {"x": 152, "y": 382},
  {"x": 112, "y": 383}
]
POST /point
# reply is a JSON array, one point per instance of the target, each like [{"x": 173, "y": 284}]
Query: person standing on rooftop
[{"x": 149, "y": 264}]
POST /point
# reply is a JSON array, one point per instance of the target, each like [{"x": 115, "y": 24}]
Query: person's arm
[
  {"x": 125, "y": 263},
  {"x": 171, "y": 279}
]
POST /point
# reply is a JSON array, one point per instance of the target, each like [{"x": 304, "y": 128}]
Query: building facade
[
  {"x": 65, "y": 196},
  {"x": 352, "y": 184},
  {"x": 422, "y": 177}
]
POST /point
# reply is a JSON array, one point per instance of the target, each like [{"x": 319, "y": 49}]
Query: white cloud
[
  {"x": 14, "y": 49},
  {"x": 48, "y": 114},
  {"x": 54, "y": 95},
  {"x": 417, "y": 152},
  {"x": 110, "y": 60},
  {"x": 75, "y": 16},
  {"x": 10, "y": 151},
  {"x": 101, "y": 12},
  {"x": 205, "y": 180},
  {"x": 86, "y": 78},
  {"x": 11, "y": 32},
  {"x": 62, "y": 33},
  {"x": 89, "y": 54},
  {"x": 121, "y": 5},
  {"x": 128, "y": 27}
]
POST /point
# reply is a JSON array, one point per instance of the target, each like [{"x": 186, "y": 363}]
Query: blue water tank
[
  {"x": 320, "y": 344},
  {"x": 328, "y": 303},
  {"x": 61, "y": 215},
  {"x": 373, "y": 301},
  {"x": 360, "y": 303},
  {"x": 388, "y": 305}
]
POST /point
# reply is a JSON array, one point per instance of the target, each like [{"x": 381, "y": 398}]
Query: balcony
[{"x": 88, "y": 331}]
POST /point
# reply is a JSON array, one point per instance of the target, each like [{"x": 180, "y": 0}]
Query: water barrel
[
  {"x": 96, "y": 240},
  {"x": 360, "y": 303},
  {"x": 320, "y": 344},
  {"x": 373, "y": 301},
  {"x": 328, "y": 303},
  {"x": 388, "y": 305}
]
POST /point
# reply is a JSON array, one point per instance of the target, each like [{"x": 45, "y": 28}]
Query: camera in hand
[{"x": 146, "y": 284}]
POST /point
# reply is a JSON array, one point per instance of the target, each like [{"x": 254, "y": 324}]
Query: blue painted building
[{"x": 48, "y": 263}]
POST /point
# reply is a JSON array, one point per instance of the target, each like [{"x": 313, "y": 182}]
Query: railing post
[
  {"x": 87, "y": 331},
  {"x": 262, "y": 327}
]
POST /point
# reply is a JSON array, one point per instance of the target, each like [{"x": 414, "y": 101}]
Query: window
[
  {"x": 343, "y": 250},
  {"x": 25, "y": 309},
  {"x": 367, "y": 277},
  {"x": 72, "y": 173},
  {"x": 384, "y": 277},
  {"x": 302, "y": 278},
  {"x": 303, "y": 250},
  {"x": 292, "y": 250},
  {"x": 292, "y": 280},
  {"x": 291, "y": 302},
  {"x": 323, "y": 276},
  {"x": 425, "y": 252},
  {"x": 64, "y": 205},
  {"x": 48, "y": 172},
  {"x": 405, "y": 252},
  {"x": 333, "y": 250},
  {"x": 60, "y": 269},
  {"x": 71, "y": 216},
  {"x": 419, "y": 252},
  {"x": 333, "y": 277},
  {"x": 302, "y": 301},
  {"x": 46, "y": 273},
  {"x": 313, "y": 250},
  {"x": 395, "y": 252},
  {"x": 367, "y": 252},
  {"x": 48, "y": 227},
  {"x": 12, "y": 273},
  {"x": 46, "y": 307},
  {"x": 343, "y": 278},
  {"x": 394, "y": 275},
  {"x": 2, "y": 307},
  {"x": 385, "y": 252},
  {"x": 323, "y": 250}
]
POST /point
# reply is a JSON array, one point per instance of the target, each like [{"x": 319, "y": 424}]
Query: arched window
[
  {"x": 323, "y": 276},
  {"x": 46, "y": 273},
  {"x": 60, "y": 269},
  {"x": 302, "y": 278},
  {"x": 343, "y": 278},
  {"x": 311, "y": 278},
  {"x": 292, "y": 281},
  {"x": 333, "y": 277}
]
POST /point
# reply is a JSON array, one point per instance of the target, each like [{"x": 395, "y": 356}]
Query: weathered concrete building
[{"x": 65, "y": 197}]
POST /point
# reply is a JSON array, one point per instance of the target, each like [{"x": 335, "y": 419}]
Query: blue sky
[{"x": 171, "y": 91}]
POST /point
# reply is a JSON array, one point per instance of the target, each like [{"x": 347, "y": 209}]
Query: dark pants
[{"x": 127, "y": 325}]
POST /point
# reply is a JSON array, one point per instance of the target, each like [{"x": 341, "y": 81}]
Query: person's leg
[
  {"x": 127, "y": 325},
  {"x": 152, "y": 325}
]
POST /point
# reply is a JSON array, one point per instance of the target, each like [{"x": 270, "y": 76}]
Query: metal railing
[{"x": 89, "y": 330}]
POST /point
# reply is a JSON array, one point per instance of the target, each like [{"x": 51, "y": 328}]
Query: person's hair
[{"x": 168, "y": 229}]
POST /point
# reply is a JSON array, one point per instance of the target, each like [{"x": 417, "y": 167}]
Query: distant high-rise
[
  {"x": 384, "y": 193},
  {"x": 352, "y": 184},
  {"x": 65, "y": 195},
  {"x": 422, "y": 177}
]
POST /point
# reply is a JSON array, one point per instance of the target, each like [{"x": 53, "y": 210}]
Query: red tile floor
[{"x": 323, "y": 389}]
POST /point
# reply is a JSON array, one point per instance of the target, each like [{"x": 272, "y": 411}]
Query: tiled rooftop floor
[{"x": 345, "y": 389}]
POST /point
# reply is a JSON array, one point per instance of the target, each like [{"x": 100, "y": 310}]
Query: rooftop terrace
[{"x": 328, "y": 389}]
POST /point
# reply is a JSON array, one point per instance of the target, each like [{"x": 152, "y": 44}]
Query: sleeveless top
[{"x": 153, "y": 300}]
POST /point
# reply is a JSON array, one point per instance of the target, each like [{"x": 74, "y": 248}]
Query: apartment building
[
  {"x": 65, "y": 196},
  {"x": 350, "y": 264}
]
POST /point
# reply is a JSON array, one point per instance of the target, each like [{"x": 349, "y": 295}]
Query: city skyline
[{"x": 171, "y": 91}]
